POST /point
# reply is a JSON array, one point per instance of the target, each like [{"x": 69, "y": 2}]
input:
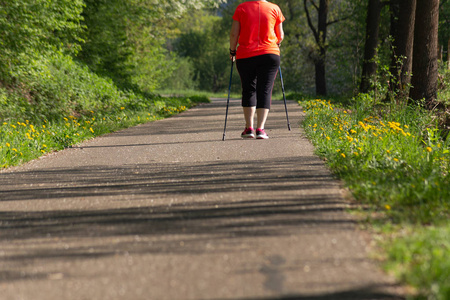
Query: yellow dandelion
[
  {"x": 387, "y": 206},
  {"x": 429, "y": 149},
  {"x": 396, "y": 159},
  {"x": 44, "y": 146},
  {"x": 8, "y": 145},
  {"x": 122, "y": 108},
  {"x": 14, "y": 149},
  {"x": 92, "y": 130},
  {"x": 343, "y": 155}
]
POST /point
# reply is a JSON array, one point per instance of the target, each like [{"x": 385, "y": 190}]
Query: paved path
[{"x": 167, "y": 210}]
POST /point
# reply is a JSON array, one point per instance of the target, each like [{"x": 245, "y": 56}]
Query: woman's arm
[
  {"x": 279, "y": 33},
  {"x": 234, "y": 35}
]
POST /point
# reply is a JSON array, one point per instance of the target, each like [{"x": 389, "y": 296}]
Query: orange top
[{"x": 257, "y": 35}]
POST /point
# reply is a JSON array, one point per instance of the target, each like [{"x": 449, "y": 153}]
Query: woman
[{"x": 257, "y": 28}]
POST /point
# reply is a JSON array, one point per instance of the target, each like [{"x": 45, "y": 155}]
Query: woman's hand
[{"x": 232, "y": 55}]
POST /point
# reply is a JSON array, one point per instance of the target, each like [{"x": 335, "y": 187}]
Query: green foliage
[
  {"x": 396, "y": 161},
  {"x": 125, "y": 40},
  {"x": 107, "y": 50},
  {"x": 182, "y": 77},
  {"x": 444, "y": 28},
  {"x": 56, "y": 85},
  {"x": 32, "y": 27},
  {"x": 444, "y": 85},
  {"x": 57, "y": 102},
  {"x": 207, "y": 51},
  {"x": 420, "y": 257},
  {"x": 22, "y": 140},
  {"x": 387, "y": 158}
]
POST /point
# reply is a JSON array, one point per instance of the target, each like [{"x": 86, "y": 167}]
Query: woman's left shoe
[{"x": 261, "y": 134}]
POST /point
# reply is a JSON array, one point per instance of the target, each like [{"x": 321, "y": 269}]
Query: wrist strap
[{"x": 232, "y": 52}]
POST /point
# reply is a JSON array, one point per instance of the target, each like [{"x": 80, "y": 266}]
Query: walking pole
[
  {"x": 228, "y": 100},
  {"x": 284, "y": 97}
]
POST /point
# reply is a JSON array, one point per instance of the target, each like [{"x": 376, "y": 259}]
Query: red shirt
[{"x": 257, "y": 35}]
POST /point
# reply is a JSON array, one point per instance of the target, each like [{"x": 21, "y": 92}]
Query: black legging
[{"x": 257, "y": 77}]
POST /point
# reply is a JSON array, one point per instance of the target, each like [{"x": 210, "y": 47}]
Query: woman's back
[{"x": 258, "y": 20}]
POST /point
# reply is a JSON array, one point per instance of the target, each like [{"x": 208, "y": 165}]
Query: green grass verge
[
  {"x": 22, "y": 140},
  {"x": 395, "y": 161},
  {"x": 53, "y": 102},
  {"x": 188, "y": 93}
]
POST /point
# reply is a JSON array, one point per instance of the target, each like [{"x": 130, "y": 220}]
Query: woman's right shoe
[{"x": 248, "y": 133}]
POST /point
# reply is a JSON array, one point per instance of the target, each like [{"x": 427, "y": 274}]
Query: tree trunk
[
  {"x": 425, "y": 62},
  {"x": 321, "y": 83},
  {"x": 370, "y": 48},
  {"x": 403, "y": 14},
  {"x": 448, "y": 54},
  {"x": 320, "y": 35}
]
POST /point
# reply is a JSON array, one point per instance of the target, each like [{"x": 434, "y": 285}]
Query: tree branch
[
  {"x": 339, "y": 20},
  {"x": 310, "y": 24},
  {"x": 314, "y": 4}
]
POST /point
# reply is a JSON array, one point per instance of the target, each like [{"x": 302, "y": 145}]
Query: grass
[
  {"x": 187, "y": 93},
  {"x": 22, "y": 140},
  {"x": 52, "y": 102},
  {"x": 420, "y": 256},
  {"x": 395, "y": 161}
]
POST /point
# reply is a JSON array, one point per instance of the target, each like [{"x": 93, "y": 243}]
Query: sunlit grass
[
  {"x": 395, "y": 161},
  {"x": 24, "y": 140},
  {"x": 401, "y": 165}
]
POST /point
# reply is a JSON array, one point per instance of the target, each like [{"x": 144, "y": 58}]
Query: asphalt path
[{"x": 167, "y": 210}]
